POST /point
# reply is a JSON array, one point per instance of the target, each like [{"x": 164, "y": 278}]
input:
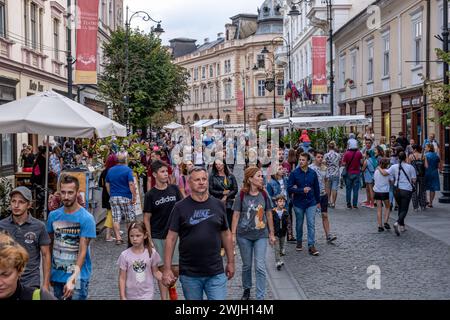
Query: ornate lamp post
[{"x": 157, "y": 31}]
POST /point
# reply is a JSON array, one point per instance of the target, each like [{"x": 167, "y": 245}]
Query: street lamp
[
  {"x": 445, "y": 198},
  {"x": 295, "y": 12},
  {"x": 288, "y": 44},
  {"x": 157, "y": 31},
  {"x": 271, "y": 81}
]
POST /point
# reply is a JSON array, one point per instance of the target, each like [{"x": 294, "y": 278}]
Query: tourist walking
[
  {"x": 417, "y": 160},
  {"x": 252, "y": 227},
  {"x": 431, "y": 173},
  {"x": 352, "y": 172},
  {"x": 381, "y": 194}
]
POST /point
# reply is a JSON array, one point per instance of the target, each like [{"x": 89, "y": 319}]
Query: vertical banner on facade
[
  {"x": 87, "y": 28},
  {"x": 240, "y": 100},
  {"x": 319, "y": 55}
]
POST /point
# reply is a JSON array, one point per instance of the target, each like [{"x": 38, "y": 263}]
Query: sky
[{"x": 195, "y": 19}]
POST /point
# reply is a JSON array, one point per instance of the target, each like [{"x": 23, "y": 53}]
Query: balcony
[
  {"x": 33, "y": 57},
  {"x": 5, "y": 47}
]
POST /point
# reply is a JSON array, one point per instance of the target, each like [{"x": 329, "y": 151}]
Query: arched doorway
[
  {"x": 196, "y": 117},
  {"x": 182, "y": 121},
  {"x": 228, "y": 119},
  {"x": 189, "y": 120},
  {"x": 211, "y": 117}
]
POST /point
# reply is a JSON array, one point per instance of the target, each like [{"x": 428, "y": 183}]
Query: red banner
[
  {"x": 240, "y": 100},
  {"x": 319, "y": 56},
  {"x": 87, "y": 28}
]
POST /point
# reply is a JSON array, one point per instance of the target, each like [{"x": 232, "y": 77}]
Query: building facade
[
  {"x": 33, "y": 58},
  {"x": 298, "y": 31},
  {"x": 380, "y": 70},
  {"x": 230, "y": 72}
]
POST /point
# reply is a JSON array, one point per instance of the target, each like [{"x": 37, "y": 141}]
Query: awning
[
  {"x": 172, "y": 126},
  {"x": 329, "y": 121},
  {"x": 317, "y": 122},
  {"x": 204, "y": 123}
]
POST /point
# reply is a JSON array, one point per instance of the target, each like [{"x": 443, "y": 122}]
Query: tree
[
  {"x": 440, "y": 93},
  {"x": 155, "y": 83},
  {"x": 162, "y": 117}
]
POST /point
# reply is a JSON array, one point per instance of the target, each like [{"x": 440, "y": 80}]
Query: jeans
[
  {"x": 79, "y": 293},
  {"x": 403, "y": 205},
  {"x": 279, "y": 248},
  {"x": 247, "y": 249},
  {"x": 310, "y": 223},
  {"x": 352, "y": 183},
  {"x": 215, "y": 287}
]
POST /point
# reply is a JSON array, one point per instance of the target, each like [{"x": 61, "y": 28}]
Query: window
[
  {"x": 204, "y": 95},
  {"x": 261, "y": 88},
  {"x": 41, "y": 30},
  {"x": 34, "y": 30},
  {"x": 2, "y": 19},
  {"x": 228, "y": 90},
  {"x": 56, "y": 38},
  {"x": 218, "y": 69},
  {"x": 227, "y": 66},
  {"x": 353, "y": 65},
  {"x": 111, "y": 20},
  {"x": 203, "y": 72},
  {"x": 417, "y": 46},
  {"x": 211, "y": 71},
  {"x": 195, "y": 74},
  {"x": 280, "y": 87},
  {"x": 386, "y": 48},
  {"x": 26, "y": 23},
  {"x": 7, "y": 150},
  {"x": 370, "y": 61},
  {"x": 212, "y": 96},
  {"x": 261, "y": 61},
  {"x": 104, "y": 11},
  {"x": 196, "y": 100},
  {"x": 342, "y": 71}
]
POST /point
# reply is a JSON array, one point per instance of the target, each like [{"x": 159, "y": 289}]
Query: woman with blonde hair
[
  {"x": 13, "y": 259},
  {"x": 251, "y": 227}
]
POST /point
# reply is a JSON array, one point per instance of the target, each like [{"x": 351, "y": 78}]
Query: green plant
[{"x": 5, "y": 190}]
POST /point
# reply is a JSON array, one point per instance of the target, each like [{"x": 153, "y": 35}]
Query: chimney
[
  {"x": 206, "y": 40},
  {"x": 219, "y": 35}
]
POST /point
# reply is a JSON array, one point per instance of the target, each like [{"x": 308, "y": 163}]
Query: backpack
[
  {"x": 419, "y": 165},
  {"x": 36, "y": 294}
]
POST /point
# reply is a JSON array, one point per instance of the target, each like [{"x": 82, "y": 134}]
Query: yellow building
[
  {"x": 220, "y": 69},
  {"x": 380, "y": 61}
]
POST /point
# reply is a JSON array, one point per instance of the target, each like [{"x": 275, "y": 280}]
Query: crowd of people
[{"x": 196, "y": 212}]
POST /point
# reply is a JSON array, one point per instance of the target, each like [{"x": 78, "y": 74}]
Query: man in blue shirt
[
  {"x": 71, "y": 228},
  {"x": 304, "y": 184},
  {"x": 122, "y": 191}
]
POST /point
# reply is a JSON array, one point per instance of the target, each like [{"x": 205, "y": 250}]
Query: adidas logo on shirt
[{"x": 165, "y": 200}]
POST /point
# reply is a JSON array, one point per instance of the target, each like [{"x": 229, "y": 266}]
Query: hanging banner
[
  {"x": 240, "y": 100},
  {"x": 86, "y": 51},
  {"x": 319, "y": 56}
]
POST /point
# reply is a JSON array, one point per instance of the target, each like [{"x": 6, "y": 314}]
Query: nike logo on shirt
[{"x": 199, "y": 216}]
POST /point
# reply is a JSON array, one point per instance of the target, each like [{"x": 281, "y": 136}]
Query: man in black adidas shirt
[
  {"x": 158, "y": 205},
  {"x": 200, "y": 222}
]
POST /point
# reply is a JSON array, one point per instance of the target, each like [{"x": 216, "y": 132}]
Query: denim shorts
[
  {"x": 334, "y": 182},
  {"x": 160, "y": 244},
  {"x": 80, "y": 292}
]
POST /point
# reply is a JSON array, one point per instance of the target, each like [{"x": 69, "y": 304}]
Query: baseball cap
[{"x": 24, "y": 191}]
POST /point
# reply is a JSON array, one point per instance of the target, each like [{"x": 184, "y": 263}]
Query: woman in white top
[
  {"x": 381, "y": 190},
  {"x": 405, "y": 178}
]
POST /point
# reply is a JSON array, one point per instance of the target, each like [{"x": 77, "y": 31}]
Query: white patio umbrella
[
  {"x": 172, "y": 126},
  {"x": 51, "y": 114}
]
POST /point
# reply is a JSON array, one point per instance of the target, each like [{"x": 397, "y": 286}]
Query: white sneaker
[{"x": 396, "y": 229}]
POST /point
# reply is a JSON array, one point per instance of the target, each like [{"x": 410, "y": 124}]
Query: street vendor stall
[{"x": 51, "y": 114}]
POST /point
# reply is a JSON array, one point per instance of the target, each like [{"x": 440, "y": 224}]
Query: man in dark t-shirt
[
  {"x": 158, "y": 204},
  {"x": 200, "y": 222}
]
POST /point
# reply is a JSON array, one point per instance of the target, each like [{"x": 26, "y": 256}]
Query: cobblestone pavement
[{"x": 413, "y": 266}]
